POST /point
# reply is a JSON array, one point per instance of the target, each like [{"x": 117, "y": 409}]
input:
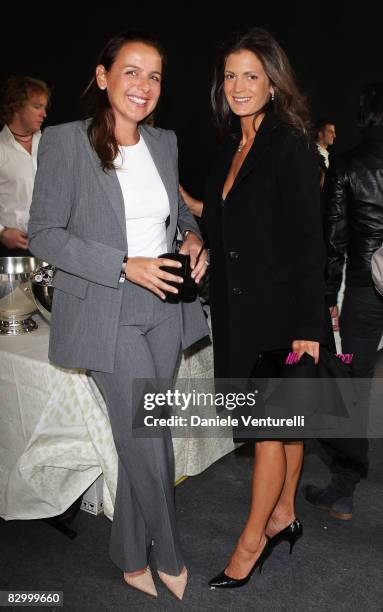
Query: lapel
[
  {"x": 111, "y": 185},
  {"x": 163, "y": 162},
  {"x": 108, "y": 180},
  {"x": 215, "y": 182},
  {"x": 261, "y": 144},
  {"x": 223, "y": 167}
]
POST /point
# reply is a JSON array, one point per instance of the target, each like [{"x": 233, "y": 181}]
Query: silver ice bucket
[
  {"x": 42, "y": 289},
  {"x": 16, "y": 299}
]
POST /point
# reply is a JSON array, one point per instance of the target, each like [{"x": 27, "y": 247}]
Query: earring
[
  {"x": 272, "y": 96},
  {"x": 103, "y": 88}
]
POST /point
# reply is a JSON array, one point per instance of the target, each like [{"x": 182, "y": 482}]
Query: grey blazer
[{"x": 77, "y": 223}]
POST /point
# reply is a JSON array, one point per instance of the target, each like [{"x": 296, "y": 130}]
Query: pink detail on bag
[{"x": 345, "y": 357}]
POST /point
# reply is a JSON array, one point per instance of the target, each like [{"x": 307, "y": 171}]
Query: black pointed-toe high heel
[
  {"x": 227, "y": 582},
  {"x": 291, "y": 534}
]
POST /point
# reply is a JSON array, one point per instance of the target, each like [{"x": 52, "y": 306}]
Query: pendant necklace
[{"x": 242, "y": 144}]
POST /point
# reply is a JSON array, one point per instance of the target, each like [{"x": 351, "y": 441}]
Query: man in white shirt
[
  {"x": 325, "y": 136},
  {"x": 23, "y": 110}
]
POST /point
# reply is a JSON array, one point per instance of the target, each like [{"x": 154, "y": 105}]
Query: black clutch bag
[
  {"x": 187, "y": 291},
  {"x": 325, "y": 388},
  {"x": 322, "y": 394}
]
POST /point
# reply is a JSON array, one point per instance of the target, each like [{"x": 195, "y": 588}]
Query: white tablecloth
[{"x": 55, "y": 436}]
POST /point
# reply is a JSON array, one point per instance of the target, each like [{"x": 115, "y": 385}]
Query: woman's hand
[
  {"x": 195, "y": 206},
  {"x": 334, "y": 314},
  {"x": 145, "y": 271},
  {"x": 192, "y": 246},
  {"x": 306, "y": 346}
]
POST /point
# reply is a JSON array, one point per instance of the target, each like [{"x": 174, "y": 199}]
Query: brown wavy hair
[
  {"x": 289, "y": 104},
  {"x": 16, "y": 93},
  {"x": 102, "y": 124}
]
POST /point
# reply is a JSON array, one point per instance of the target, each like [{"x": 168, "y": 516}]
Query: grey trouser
[{"x": 148, "y": 346}]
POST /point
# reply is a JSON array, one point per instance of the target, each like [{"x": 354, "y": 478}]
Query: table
[{"x": 55, "y": 436}]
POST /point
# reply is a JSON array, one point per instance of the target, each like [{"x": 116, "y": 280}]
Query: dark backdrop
[{"x": 335, "y": 48}]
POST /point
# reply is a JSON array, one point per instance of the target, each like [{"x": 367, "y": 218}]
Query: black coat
[
  {"x": 266, "y": 250},
  {"x": 353, "y": 202}
]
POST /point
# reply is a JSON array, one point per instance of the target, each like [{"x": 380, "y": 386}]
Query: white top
[
  {"x": 146, "y": 201},
  {"x": 323, "y": 151},
  {"x": 17, "y": 177}
]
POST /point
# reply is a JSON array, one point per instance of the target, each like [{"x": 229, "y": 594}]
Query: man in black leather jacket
[{"x": 353, "y": 203}]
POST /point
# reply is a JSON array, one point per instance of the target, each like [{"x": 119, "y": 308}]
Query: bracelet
[{"x": 122, "y": 274}]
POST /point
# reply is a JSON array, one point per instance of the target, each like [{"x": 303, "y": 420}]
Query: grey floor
[{"x": 336, "y": 566}]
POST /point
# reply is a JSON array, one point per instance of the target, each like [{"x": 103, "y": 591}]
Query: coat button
[
  {"x": 234, "y": 255},
  {"x": 237, "y": 291}
]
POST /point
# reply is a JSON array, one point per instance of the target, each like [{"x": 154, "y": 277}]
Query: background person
[
  {"x": 23, "y": 110},
  {"x": 353, "y": 199},
  {"x": 324, "y": 137}
]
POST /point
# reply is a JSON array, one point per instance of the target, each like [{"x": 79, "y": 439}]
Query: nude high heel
[
  {"x": 175, "y": 584},
  {"x": 142, "y": 582}
]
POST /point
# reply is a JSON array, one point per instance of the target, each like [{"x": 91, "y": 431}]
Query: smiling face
[
  {"x": 247, "y": 87},
  {"x": 133, "y": 82}
]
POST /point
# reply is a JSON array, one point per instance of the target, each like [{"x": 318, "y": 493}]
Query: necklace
[
  {"x": 242, "y": 144},
  {"x": 26, "y": 136}
]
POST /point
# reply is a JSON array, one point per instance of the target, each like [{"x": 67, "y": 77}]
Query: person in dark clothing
[
  {"x": 353, "y": 197},
  {"x": 325, "y": 136},
  {"x": 262, "y": 218}
]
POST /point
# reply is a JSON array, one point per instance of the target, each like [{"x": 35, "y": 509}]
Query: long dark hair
[
  {"x": 102, "y": 125},
  {"x": 289, "y": 104}
]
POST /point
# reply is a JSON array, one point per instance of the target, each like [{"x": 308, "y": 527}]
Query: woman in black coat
[{"x": 262, "y": 217}]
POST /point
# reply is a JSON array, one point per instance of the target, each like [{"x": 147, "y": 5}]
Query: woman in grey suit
[{"x": 105, "y": 205}]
